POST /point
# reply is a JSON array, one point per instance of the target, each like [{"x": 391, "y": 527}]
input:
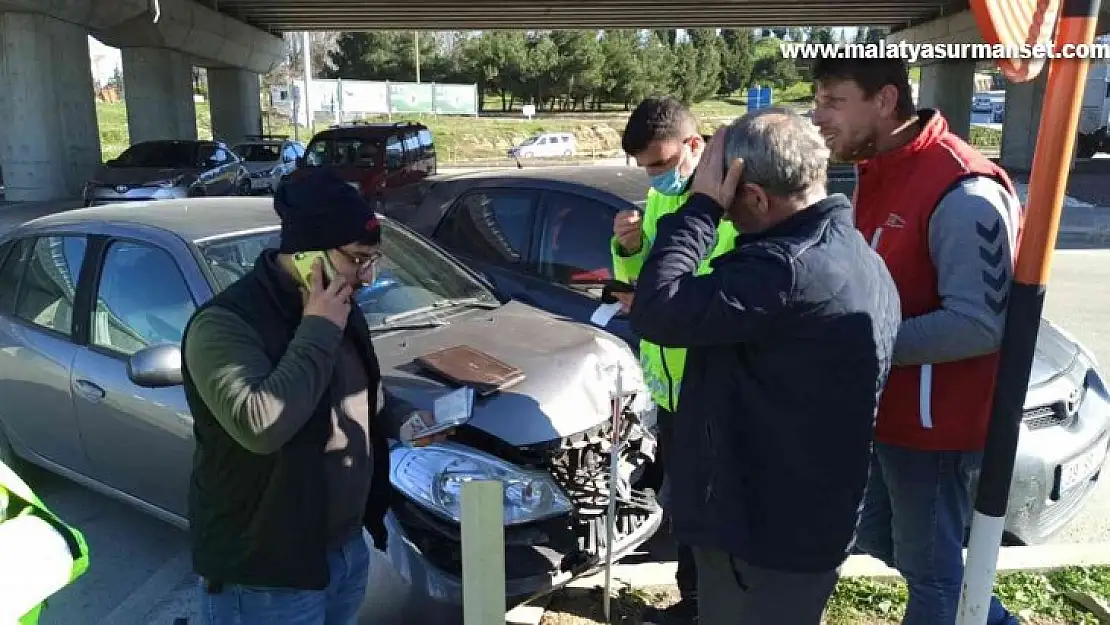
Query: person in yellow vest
[
  {"x": 39, "y": 554},
  {"x": 662, "y": 135}
]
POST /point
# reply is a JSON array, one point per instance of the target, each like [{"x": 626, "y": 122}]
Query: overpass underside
[{"x": 348, "y": 15}]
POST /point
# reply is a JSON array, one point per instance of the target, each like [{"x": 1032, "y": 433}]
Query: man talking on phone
[
  {"x": 290, "y": 476},
  {"x": 662, "y": 135}
]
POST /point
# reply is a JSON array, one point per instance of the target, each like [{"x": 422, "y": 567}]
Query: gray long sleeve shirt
[
  {"x": 974, "y": 286},
  {"x": 263, "y": 406}
]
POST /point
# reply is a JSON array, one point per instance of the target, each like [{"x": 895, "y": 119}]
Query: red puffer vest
[{"x": 943, "y": 406}]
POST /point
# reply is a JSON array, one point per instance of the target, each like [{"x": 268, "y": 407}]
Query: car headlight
[{"x": 433, "y": 476}]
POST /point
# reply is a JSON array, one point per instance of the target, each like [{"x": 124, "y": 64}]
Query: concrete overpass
[{"x": 49, "y": 141}]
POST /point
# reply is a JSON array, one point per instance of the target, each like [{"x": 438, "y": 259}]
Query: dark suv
[{"x": 373, "y": 157}]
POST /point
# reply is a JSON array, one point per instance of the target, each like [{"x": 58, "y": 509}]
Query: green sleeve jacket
[
  {"x": 663, "y": 366},
  {"x": 22, "y": 501}
]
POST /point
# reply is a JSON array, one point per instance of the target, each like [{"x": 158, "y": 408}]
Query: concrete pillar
[
  {"x": 948, "y": 87},
  {"x": 49, "y": 140},
  {"x": 1023, "y": 121},
  {"x": 235, "y": 96},
  {"x": 158, "y": 89}
]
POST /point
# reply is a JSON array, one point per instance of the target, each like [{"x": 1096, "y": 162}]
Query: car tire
[
  {"x": 566, "y": 153},
  {"x": 197, "y": 193},
  {"x": 244, "y": 188}
]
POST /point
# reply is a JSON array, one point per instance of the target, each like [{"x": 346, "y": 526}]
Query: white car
[
  {"x": 546, "y": 145},
  {"x": 268, "y": 159}
]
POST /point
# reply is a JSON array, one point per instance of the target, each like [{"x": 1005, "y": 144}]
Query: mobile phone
[{"x": 304, "y": 261}]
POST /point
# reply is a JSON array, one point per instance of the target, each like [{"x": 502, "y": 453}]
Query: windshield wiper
[
  {"x": 442, "y": 305},
  {"x": 418, "y": 325}
]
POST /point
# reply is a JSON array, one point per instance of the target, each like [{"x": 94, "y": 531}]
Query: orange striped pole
[{"x": 1047, "y": 184}]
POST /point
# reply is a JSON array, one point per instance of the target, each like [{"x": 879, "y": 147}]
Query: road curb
[
  {"x": 145, "y": 598},
  {"x": 1010, "y": 559}
]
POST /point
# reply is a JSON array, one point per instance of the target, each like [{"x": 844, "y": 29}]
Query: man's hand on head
[{"x": 711, "y": 181}]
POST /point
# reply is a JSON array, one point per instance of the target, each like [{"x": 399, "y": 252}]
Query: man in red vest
[{"x": 946, "y": 221}]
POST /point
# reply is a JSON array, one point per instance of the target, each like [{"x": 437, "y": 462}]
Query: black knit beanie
[{"x": 320, "y": 211}]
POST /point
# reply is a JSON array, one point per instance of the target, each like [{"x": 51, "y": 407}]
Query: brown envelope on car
[{"x": 467, "y": 366}]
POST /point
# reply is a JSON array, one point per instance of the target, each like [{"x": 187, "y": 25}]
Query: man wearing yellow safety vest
[
  {"x": 39, "y": 554},
  {"x": 662, "y": 135}
]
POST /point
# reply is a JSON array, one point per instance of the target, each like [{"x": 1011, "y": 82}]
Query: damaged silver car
[{"x": 93, "y": 309}]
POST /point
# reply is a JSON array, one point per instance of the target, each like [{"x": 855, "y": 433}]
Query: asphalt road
[{"x": 140, "y": 567}]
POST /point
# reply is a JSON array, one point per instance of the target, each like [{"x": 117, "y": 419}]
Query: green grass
[{"x": 1035, "y": 597}]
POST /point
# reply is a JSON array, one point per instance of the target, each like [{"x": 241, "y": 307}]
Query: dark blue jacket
[{"x": 789, "y": 345}]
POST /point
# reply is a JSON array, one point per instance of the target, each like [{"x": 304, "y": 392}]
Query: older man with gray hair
[{"x": 789, "y": 345}]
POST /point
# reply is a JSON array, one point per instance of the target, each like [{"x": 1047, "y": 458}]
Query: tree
[{"x": 737, "y": 59}]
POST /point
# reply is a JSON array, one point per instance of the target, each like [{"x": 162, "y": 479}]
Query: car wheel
[
  {"x": 566, "y": 153},
  {"x": 196, "y": 192},
  {"x": 245, "y": 187},
  {"x": 1085, "y": 147}
]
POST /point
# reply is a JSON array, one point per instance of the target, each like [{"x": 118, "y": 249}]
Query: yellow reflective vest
[
  {"x": 663, "y": 366},
  {"x": 17, "y": 499}
]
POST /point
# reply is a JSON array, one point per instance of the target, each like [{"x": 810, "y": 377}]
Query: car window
[
  {"x": 49, "y": 285},
  {"x": 231, "y": 259},
  {"x": 317, "y": 154},
  {"x": 493, "y": 225},
  {"x": 258, "y": 152},
  {"x": 426, "y": 142},
  {"x": 141, "y": 300},
  {"x": 412, "y": 147},
  {"x": 394, "y": 153},
  {"x": 14, "y": 257},
  {"x": 161, "y": 154},
  {"x": 289, "y": 154},
  {"x": 574, "y": 240},
  {"x": 220, "y": 156}
]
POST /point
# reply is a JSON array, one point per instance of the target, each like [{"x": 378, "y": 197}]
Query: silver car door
[
  {"x": 141, "y": 439},
  {"x": 38, "y": 286}
]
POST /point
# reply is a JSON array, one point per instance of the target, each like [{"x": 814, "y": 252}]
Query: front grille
[
  {"x": 574, "y": 543},
  {"x": 1058, "y": 413}
]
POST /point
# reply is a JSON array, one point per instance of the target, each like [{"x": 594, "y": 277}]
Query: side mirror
[{"x": 156, "y": 366}]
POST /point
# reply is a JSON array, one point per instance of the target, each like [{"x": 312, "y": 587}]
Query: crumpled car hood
[{"x": 570, "y": 371}]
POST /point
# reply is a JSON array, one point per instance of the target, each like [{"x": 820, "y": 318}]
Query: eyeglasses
[{"x": 362, "y": 261}]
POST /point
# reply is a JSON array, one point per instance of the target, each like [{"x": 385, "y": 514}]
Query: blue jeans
[
  {"x": 915, "y": 516},
  {"x": 338, "y": 604}
]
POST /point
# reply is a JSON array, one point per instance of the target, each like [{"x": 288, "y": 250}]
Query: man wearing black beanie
[{"x": 291, "y": 470}]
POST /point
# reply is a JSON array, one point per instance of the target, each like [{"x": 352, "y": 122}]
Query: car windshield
[
  {"x": 413, "y": 278},
  {"x": 529, "y": 141},
  {"x": 343, "y": 151},
  {"x": 160, "y": 154},
  {"x": 259, "y": 152}
]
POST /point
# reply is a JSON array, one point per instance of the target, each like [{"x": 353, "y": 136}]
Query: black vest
[{"x": 260, "y": 519}]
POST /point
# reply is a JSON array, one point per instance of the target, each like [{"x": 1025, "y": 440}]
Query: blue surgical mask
[
  {"x": 669, "y": 182},
  {"x": 672, "y": 182}
]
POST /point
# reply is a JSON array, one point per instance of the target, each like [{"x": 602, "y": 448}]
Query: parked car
[
  {"x": 165, "y": 169},
  {"x": 542, "y": 236},
  {"x": 546, "y": 145},
  {"x": 268, "y": 160},
  {"x": 374, "y": 158},
  {"x": 93, "y": 304}
]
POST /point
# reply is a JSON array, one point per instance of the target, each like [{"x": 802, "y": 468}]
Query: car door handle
[{"x": 88, "y": 390}]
